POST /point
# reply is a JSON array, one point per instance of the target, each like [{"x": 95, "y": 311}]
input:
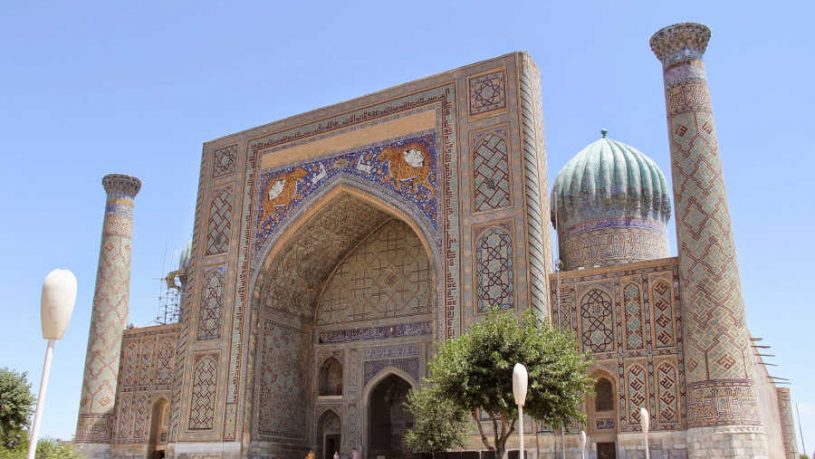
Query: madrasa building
[{"x": 333, "y": 250}]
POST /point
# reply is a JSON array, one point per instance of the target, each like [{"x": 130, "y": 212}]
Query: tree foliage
[
  {"x": 47, "y": 448},
  {"x": 473, "y": 374},
  {"x": 16, "y": 402},
  {"x": 441, "y": 425},
  {"x": 51, "y": 449}
]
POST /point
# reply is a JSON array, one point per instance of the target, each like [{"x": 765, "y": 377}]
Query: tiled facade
[
  {"x": 628, "y": 319},
  {"x": 333, "y": 250},
  {"x": 146, "y": 375}
]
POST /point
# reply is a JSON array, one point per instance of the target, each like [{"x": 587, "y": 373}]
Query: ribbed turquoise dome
[{"x": 610, "y": 178}]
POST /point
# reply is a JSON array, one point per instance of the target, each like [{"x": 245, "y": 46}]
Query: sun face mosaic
[{"x": 406, "y": 167}]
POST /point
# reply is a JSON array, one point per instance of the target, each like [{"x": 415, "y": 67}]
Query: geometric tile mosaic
[
  {"x": 667, "y": 384},
  {"x": 220, "y": 222},
  {"x": 597, "y": 318},
  {"x": 212, "y": 302},
  {"x": 225, "y": 160},
  {"x": 491, "y": 171},
  {"x": 388, "y": 275},
  {"x": 488, "y": 92},
  {"x": 281, "y": 388},
  {"x": 632, "y": 302},
  {"x": 493, "y": 258},
  {"x": 661, "y": 293},
  {"x": 637, "y": 392},
  {"x": 202, "y": 402}
]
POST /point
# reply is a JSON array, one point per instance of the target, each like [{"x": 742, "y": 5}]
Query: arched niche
[
  {"x": 602, "y": 408},
  {"x": 387, "y": 418},
  {"x": 330, "y": 378},
  {"x": 159, "y": 428},
  {"x": 330, "y": 434}
]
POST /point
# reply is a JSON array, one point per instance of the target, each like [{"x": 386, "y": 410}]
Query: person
[
  {"x": 311, "y": 454},
  {"x": 354, "y": 453},
  {"x": 336, "y": 455}
]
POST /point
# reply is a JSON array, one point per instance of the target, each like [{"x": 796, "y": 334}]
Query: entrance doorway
[
  {"x": 388, "y": 418},
  {"x": 332, "y": 445},
  {"x": 159, "y": 425},
  {"x": 602, "y": 426},
  {"x": 606, "y": 451},
  {"x": 330, "y": 429}
]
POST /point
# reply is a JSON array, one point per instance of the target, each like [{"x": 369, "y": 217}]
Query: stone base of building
[
  {"x": 94, "y": 450},
  {"x": 128, "y": 450},
  {"x": 215, "y": 450},
  {"x": 547, "y": 445},
  {"x": 726, "y": 442},
  {"x": 270, "y": 449},
  {"x": 661, "y": 445}
]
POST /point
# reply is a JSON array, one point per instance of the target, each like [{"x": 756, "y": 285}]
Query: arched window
[
  {"x": 331, "y": 377},
  {"x": 603, "y": 395}
]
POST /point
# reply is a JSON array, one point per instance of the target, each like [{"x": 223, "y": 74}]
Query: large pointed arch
[
  {"x": 285, "y": 288},
  {"x": 383, "y": 200},
  {"x": 388, "y": 204}
]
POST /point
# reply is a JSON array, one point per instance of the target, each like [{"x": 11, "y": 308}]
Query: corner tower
[
  {"x": 722, "y": 412},
  {"x": 108, "y": 319},
  {"x": 610, "y": 206}
]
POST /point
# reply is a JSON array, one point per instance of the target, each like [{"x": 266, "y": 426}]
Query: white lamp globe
[
  {"x": 57, "y": 303},
  {"x": 644, "y": 419},
  {"x": 520, "y": 381}
]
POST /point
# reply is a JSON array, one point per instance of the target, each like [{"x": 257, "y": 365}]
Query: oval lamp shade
[
  {"x": 520, "y": 380},
  {"x": 644, "y": 419},
  {"x": 57, "y": 302}
]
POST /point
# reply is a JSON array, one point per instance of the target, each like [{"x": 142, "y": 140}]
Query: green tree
[
  {"x": 16, "y": 402},
  {"x": 441, "y": 424},
  {"x": 49, "y": 448},
  {"x": 473, "y": 374},
  {"x": 15, "y": 447}
]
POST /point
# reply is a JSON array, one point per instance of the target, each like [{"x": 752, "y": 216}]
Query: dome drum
[{"x": 611, "y": 242}]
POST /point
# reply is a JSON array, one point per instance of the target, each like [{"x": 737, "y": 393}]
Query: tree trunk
[{"x": 501, "y": 449}]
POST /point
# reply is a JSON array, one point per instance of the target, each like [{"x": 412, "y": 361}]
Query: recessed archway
[
  {"x": 330, "y": 434},
  {"x": 602, "y": 414},
  {"x": 330, "y": 378},
  {"x": 387, "y": 416},
  {"x": 159, "y": 426},
  {"x": 318, "y": 265}
]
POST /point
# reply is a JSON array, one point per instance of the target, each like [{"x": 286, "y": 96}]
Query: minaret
[
  {"x": 108, "y": 319},
  {"x": 722, "y": 411}
]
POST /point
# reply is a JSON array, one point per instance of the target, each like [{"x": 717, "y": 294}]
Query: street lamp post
[
  {"x": 644, "y": 423},
  {"x": 520, "y": 381},
  {"x": 56, "y": 305},
  {"x": 583, "y": 444}
]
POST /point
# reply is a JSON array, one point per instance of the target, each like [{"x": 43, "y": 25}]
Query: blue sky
[{"x": 89, "y": 88}]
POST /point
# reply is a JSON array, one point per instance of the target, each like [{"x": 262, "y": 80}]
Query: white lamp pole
[
  {"x": 520, "y": 381},
  {"x": 583, "y": 444},
  {"x": 56, "y": 305},
  {"x": 644, "y": 423}
]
